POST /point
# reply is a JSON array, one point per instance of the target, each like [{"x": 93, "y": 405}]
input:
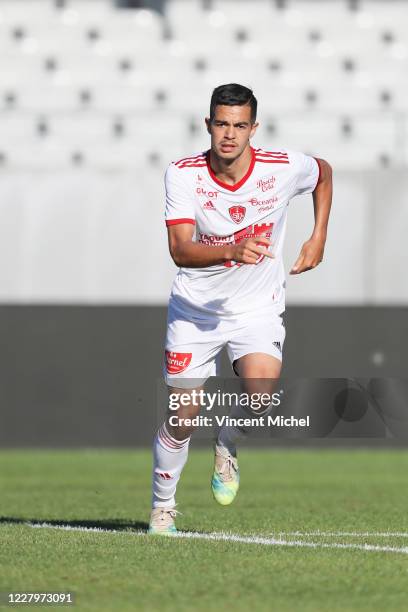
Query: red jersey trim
[
  {"x": 272, "y": 161},
  {"x": 190, "y": 159},
  {"x": 178, "y": 221},
  {"x": 237, "y": 185},
  {"x": 320, "y": 172},
  {"x": 275, "y": 154},
  {"x": 190, "y": 165},
  {"x": 264, "y": 156}
]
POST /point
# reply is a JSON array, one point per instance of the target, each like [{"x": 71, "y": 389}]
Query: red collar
[{"x": 237, "y": 185}]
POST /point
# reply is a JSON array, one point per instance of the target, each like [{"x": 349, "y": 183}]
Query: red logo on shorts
[
  {"x": 177, "y": 362},
  {"x": 237, "y": 213}
]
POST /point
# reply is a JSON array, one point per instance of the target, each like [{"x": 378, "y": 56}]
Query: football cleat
[
  {"x": 162, "y": 521},
  {"x": 225, "y": 479}
]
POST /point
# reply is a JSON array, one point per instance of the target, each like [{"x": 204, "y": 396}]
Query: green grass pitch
[{"x": 330, "y": 498}]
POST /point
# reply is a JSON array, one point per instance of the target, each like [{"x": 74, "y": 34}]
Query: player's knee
[
  {"x": 183, "y": 421},
  {"x": 259, "y": 411},
  {"x": 179, "y": 430}
]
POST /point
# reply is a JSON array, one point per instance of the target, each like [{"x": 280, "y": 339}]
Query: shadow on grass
[{"x": 108, "y": 525}]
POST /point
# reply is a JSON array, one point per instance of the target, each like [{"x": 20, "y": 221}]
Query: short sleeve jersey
[{"x": 226, "y": 214}]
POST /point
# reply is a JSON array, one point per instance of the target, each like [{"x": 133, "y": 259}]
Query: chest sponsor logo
[
  {"x": 264, "y": 204},
  {"x": 177, "y": 362},
  {"x": 208, "y": 194},
  {"x": 209, "y": 205},
  {"x": 252, "y": 231},
  {"x": 237, "y": 213},
  {"x": 266, "y": 184}
]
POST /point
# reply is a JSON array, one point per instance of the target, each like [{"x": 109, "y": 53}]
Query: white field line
[
  {"x": 230, "y": 537},
  {"x": 348, "y": 534}
]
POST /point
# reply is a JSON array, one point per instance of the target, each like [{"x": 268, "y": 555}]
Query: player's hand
[
  {"x": 310, "y": 256},
  {"x": 249, "y": 250}
]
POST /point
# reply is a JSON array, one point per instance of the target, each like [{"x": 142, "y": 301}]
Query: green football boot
[
  {"x": 225, "y": 479},
  {"x": 162, "y": 521}
]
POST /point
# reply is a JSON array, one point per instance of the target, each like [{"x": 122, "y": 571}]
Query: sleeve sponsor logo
[{"x": 177, "y": 362}]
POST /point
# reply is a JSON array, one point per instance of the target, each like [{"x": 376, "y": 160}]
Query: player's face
[{"x": 231, "y": 129}]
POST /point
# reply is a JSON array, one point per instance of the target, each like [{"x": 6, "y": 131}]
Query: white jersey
[{"x": 226, "y": 214}]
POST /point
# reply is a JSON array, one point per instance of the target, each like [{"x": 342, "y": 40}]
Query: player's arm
[
  {"x": 312, "y": 250},
  {"x": 188, "y": 254}
]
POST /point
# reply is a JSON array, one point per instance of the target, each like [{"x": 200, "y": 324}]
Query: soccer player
[{"x": 226, "y": 212}]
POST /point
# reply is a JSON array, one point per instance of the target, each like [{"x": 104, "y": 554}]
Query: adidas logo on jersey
[{"x": 209, "y": 206}]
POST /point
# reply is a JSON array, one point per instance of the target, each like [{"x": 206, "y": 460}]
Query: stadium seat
[
  {"x": 143, "y": 24},
  {"x": 355, "y": 96},
  {"x": 349, "y": 144},
  {"x": 41, "y": 98},
  {"x": 251, "y": 21},
  {"x": 87, "y": 13},
  {"x": 389, "y": 17},
  {"x": 129, "y": 97},
  {"x": 130, "y": 156},
  {"x": 207, "y": 30},
  {"x": 15, "y": 70},
  {"x": 180, "y": 15},
  {"x": 25, "y": 13},
  {"x": 44, "y": 155},
  {"x": 16, "y": 128}
]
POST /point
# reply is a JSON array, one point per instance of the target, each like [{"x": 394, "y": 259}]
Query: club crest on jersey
[
  {"x": 237, "y": 213},
  {"x": 177, "y": 362}
]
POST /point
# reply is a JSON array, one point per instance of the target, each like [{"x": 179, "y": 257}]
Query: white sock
[
  {"x": 229, "y": 434},
  {"x": 169, "y": 458}
]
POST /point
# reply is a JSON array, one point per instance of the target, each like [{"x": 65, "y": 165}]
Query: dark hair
[{"x": 233, "y": 95}]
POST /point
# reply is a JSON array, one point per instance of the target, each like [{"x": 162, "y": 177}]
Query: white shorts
[{"x": 193, "y": 346}]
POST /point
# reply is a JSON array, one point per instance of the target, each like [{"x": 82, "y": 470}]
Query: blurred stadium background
[{"x": 96, "y": 98}]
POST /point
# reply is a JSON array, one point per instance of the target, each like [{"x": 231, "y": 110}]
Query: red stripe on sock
[{"x": 167, "y": 440}]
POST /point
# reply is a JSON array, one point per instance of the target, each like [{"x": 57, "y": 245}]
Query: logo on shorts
[
  {"x": 177, "y": 362},
  {"x": 278, "y": 346},
  {"x": 237, "y": 213}
]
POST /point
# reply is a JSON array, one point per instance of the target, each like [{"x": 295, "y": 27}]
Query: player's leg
[
  {"x": 189, "y": 362},
  {"x": 170, "y": 452},
  {"x": 258, "y": 365},
  {"x": 255, "y": 353},
  {"x": 260, "y": 374}
]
